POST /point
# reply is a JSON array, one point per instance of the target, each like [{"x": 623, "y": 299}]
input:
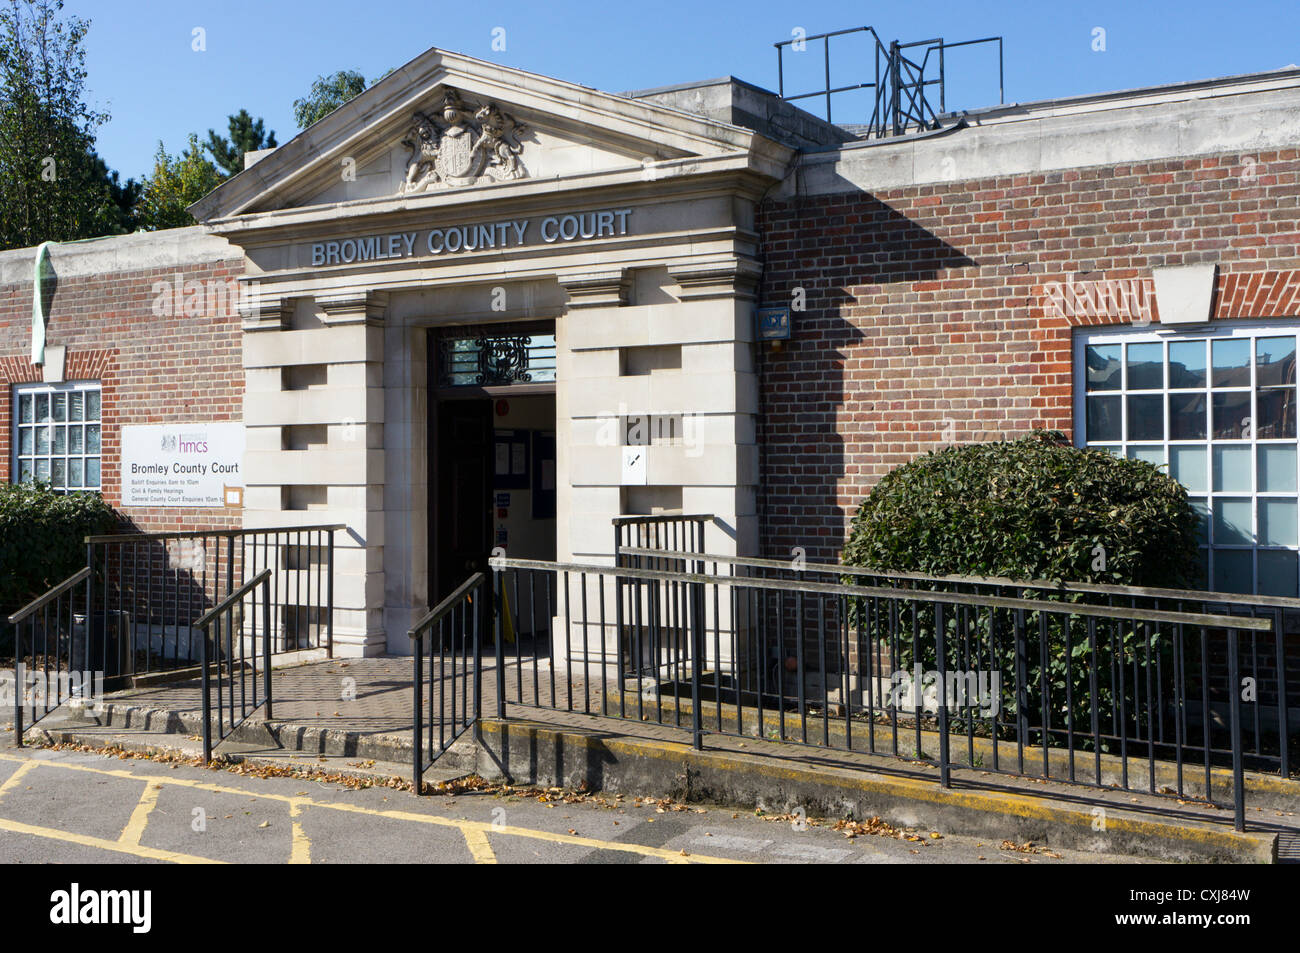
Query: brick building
[{"x": 479, "y": 307}]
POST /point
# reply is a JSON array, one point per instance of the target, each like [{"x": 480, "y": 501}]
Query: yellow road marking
[
  {"x": 572, "y": 840},
  {"x": 134, "y": 829},
  {"x": 479, "y": 847},
  {"x": 13, "y": 779},
  {"x": 300, "y": 852},
  {"x": 85, "y": 840}
]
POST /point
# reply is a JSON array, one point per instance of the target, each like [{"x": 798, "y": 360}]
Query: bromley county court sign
[{"x": 466, "y": 238}]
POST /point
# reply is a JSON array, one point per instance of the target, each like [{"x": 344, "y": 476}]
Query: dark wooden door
[{"x": 462, "y": 518}]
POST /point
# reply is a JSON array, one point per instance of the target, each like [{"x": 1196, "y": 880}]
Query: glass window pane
[
  {"x": 1202, "y": 509},
  {"x": 1232, "y": 416},
  {"x": 59, "y": 473},
  {"x": 1102, "y": 366},
  {"x": 43, "y": 439},
  {"x": 92, "y": 438},
  {"x": 1232, "y": 570},
  {"x": 1187, "y": 364},
  {"x": 1277, "y": 468},
  {"x": 1275, "y": 361},
  {"x": 1187, "y": 466},
  {"x": 43, "y": 470},
  {"x": 1146, "y": 417},
  {"x": 25, "y": 403},
  {"x": 59, "y": 406},
  {"x": 1187, "y": 417},
  {"x": 1276, "y": 413},
  {"x": 1146, "y": 366},
  {"x": 60, "y": 439},
  {"x": 92, "y": 405},
  {"x": 1103, "y": 419},
  {"x": 1277, "y": 522},
  {"x": 76, "y": 405},
  {"x": 1277, "y": 573},
  {"x": 74, "y": 473},
  {"x": 1230, "y": 359},
  {"x": 1154, "y": 455},
  {"x": 25, "y": 471},
  {"x": 1231, "y": 522},
  {"x": 74, "y": 439},
  {"x": 26, "y": 440},
  {"x": 42, "y": 408},
  {"x": 1232, "y": 470},
  {"x": 92, "y": 471}
]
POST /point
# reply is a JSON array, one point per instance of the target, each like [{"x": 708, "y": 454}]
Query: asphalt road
[{"x": 76, "y": 807}]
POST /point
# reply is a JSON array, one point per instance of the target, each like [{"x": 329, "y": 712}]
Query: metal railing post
[
  {"x": 18, "y": 686},
  {"x": 1234, "y": 696},
  {"x": 697, "y": 658},
  {"x": 329, "y": 599},
  {"x": 207, "y": 695},
  {"x": 499, "y": 636},
  {"x": 942, "y": 669},
  {"x": 266, "y": 644},
  {"x": 417, "y": 752}
]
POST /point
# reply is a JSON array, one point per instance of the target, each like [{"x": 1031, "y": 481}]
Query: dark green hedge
[
  {"x": 42, "y": 538},
  {"x": 1033, "y": 508}
]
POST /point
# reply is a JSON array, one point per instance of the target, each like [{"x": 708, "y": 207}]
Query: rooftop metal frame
[{"x": 900, "y": 103}]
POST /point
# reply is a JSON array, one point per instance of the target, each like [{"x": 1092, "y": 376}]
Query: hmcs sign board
[{"x": 183, "y": 465}]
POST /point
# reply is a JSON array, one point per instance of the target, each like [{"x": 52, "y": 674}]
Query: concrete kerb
[
  {"x": 1268, "y": 791},
  {"x": 535, "y": 753}
]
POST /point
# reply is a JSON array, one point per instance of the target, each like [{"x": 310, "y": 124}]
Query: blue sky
[{"x": 263, "y": 54}]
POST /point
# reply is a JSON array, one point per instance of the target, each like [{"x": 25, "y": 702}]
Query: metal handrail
[
  {"x": 203, "y": 621},
  {"x": 661, "y": 518},
  {"x": 1191, "y": 595},
  {"x": 443, "y": 607},
  {"x": 224, "y": 533},
  {"x": 50, "y": 596},
  {"x": 949, "y": 598}
]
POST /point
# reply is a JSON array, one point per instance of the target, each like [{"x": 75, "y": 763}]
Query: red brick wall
[
  {"x": 153, "y": 369},
  {"x": 925, "y": 305}
]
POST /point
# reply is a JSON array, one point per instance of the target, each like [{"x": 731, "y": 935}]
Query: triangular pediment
[{"x": 446, "y": 122}]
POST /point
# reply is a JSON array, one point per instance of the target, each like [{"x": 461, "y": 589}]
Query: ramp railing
[
  {"x": 1271, "y": 666},
  {"x": 227, "y": 663},
  {"x": 447, "y": 652},
  {"x": 1100, "y": 695},
  {"x": 47, "y": 669}
]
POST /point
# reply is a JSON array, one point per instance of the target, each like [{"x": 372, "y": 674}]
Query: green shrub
[
  {"x": 42, "y": 538},
  {"x": 1034, "y": 508}
]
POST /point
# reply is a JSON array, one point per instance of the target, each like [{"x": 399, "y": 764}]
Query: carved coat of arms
[{"x": 462, "y": 145}]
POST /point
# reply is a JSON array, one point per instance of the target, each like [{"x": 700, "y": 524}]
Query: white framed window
[
  {"x": 56, "y": 435},
  {"x": 1216, "y": 408}
]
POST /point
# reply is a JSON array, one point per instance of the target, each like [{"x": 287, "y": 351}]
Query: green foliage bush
[
  {"x": 42, "y": 538},
  {"x": 1033, "y": 508}
]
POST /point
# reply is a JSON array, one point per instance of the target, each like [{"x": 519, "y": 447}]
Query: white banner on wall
[{"x": 193, "y": 464}]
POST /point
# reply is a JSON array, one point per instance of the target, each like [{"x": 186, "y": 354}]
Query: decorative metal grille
[{"x": 494, "y": 359}]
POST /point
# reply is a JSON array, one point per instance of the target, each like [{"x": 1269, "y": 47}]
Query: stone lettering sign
[{"x": 480, "y": 236}]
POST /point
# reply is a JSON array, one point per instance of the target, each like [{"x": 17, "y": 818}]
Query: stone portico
[{"x": 456, "y": 192}]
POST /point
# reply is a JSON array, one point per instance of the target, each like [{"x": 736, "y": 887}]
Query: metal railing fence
[
  {"x": 1089, "y": 694},
  {"x": 228, "y": 659},
  {"x": 46, "y": 674},
  {"x": 448, "y": 638}
]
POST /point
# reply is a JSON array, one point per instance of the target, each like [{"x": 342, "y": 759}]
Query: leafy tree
[
  {"x": 327, "y": 94},
  {"x": 246, "y": 135},
  {"x": 53, "y": 186},
  {"x": 177, "y": 182}
]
